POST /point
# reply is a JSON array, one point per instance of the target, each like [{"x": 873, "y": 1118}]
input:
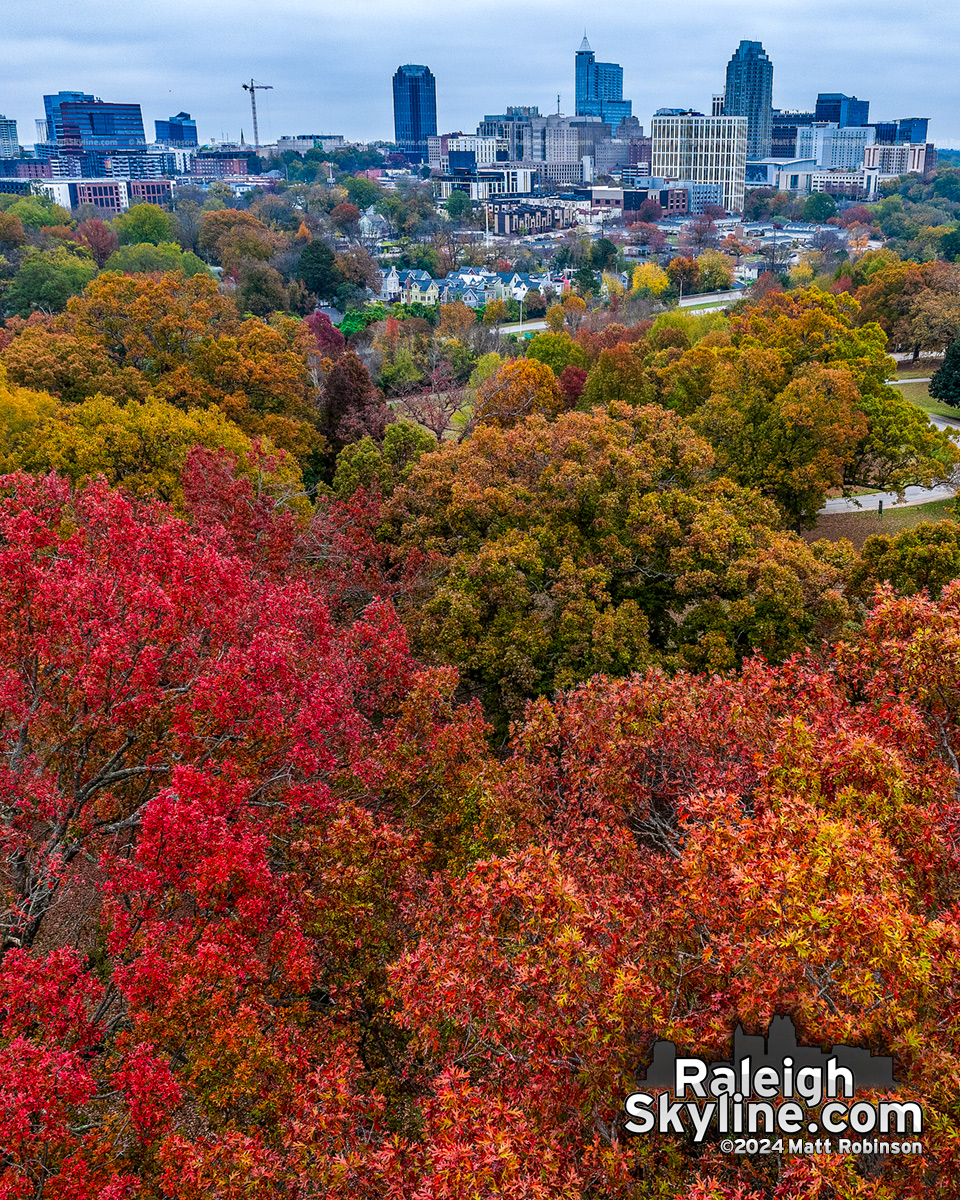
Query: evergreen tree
[
  {"x": 318, "y": 271},
  {"x": 945, "y": 384}
]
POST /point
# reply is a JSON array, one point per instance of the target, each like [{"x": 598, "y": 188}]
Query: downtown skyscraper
[
  {"x": 414, "y": 110},
  {"x": 749, "y": 93},
  {"x": 599, "y": 87}
]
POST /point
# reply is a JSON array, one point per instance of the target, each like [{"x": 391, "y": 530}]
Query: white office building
[{"x": 710, "y": 150}]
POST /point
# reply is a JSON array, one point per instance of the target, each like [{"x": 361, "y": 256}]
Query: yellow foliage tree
[
  {"x": 575, "y": 308},
  {"x": 650, "y": 276},
  {"x": 495, "y": 312},
  {"x": 141, "y": 447},
  {"x": 455, "y": 319},
  {"x": 22, "y": 413},
  {"x": 520, "y": 388},
  {"x": 555, "y": 318}
]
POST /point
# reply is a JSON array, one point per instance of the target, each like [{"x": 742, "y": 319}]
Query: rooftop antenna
[
  {"x": 558, "y": 104},
  {"x": 253, "y": 88}
]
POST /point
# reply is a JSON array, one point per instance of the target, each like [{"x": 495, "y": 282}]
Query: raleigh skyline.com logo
[{"x": 775, "y": 1087}]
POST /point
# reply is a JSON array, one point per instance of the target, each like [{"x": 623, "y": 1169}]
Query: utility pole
[{"x": 253, "y": 88}]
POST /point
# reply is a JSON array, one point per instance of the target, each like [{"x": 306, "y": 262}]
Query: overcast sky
[{"x": 331, "y": 64}]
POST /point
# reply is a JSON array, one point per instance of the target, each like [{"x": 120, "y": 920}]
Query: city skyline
[{"x": 334, "y": 75}]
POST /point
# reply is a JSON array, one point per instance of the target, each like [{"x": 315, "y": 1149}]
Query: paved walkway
[{"x": 912, "y": 496}]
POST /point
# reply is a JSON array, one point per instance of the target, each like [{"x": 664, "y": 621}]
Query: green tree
[
  {"x": 362, "y": 191},
  {"x": 945, "y": 383},
  {"x": 924, "y": 558},
  {"x": 950, "y": 245},
  {"x": 459, "y": 206},
  {"x": 586, "y": 280},
  {"x": 557, "y": 350},
  {"x": 603, "y": 255},
  {"x": 145, "y": 223},
  {"x": 46, "y": 281},
  {"x": 37, "y": 211},
  {"x": 144, "y": 257},
  {"x": 260, "y": 290},
  {"x": 317, "y": 270},
  {"x": 365, "y": 463},
  {"x": 819, "y": 207}
]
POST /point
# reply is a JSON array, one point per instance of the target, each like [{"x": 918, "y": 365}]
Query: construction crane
[{"x": 253, "y": 88}]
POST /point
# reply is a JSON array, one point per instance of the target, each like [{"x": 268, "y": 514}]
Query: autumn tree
[
  {"x": 344, "y": 217},
  {"x": 556, "y": 315},
  {"x": 441, "y": 407},
  {"x": 495, "y": 312},
  {"x": 650, "y": 277},
  {"x": 684, "y": 274},
  {"x": 793, "y": 441},
  {"x": 100, "y": 239},
  {"x": 353, "y": 408},
  {"x": 153, "y": 323},
  {"x": 520, "y": 388},
  {"x": 599, "y": 542},
  {"x": 455, "y": 319},
  {"x": 616, "y": 377},
  {"x": 330, "y": 342},
  {"x": 574, "y": 310},
  {"x": 142, "y": 448},
  {"x": 230, "y": 235}
]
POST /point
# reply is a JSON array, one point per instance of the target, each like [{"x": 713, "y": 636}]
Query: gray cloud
[{"x": 331, "y": 64}]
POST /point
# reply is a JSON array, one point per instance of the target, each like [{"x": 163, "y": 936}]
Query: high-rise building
[
  {"x": 179, "y": 131},
  {"x": 749, "y": 93},
  {"x": 414, "y": 110},
  {"x": 9, "y": 142},
  {"x": 842, "y": 110},
  {"x": 98, "y": 132},
  {"x": 833, "y": 148},
  {"x": 51, "y": 108},
  {"x": 515, "y": 126},
  {"x": 905, "y": 132},
  {"x": 599, "y": 87},
  {"x": 703, "y": 150},
  {"x": 786, "y": 125},
  {"x": 92, "y": 138}
]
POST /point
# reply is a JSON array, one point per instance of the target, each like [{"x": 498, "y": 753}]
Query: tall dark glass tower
[
  {"x": 844, "y": 110},
  {"x": 599, "y": 87},
  {"x": 749, "y": 93},
  {"x": 414, "y": 110}
]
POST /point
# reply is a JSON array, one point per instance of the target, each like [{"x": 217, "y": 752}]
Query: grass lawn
[
  {"x": 858, "y": 526},
  {"x": 921, "y": 370},
  {"x": 708, "y": 304},
  {"x": 919, "y": 394}
]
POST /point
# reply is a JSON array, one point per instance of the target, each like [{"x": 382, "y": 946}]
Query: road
[
  {"x": 912, "y": 496},
  {"x": 526, "y": 327}
]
